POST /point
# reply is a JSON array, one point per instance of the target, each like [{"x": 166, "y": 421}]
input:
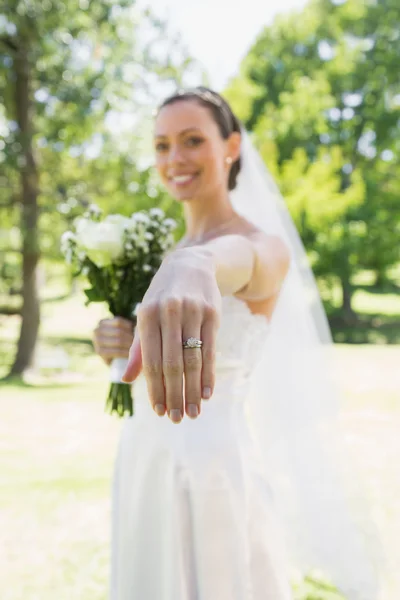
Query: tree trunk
[
  {"x": 349, "y": 315},
  {"x": 381, "y": 279},
  {"x": 30, "y": 312}
]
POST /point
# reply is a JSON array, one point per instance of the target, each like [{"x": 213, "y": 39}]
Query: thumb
[{"x": 135, "y": 361}]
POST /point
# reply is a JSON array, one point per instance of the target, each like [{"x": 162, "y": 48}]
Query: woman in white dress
[{"x": 194, "y": 516}]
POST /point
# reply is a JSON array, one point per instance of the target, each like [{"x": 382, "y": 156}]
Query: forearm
[{"x": 230, "y": 258}]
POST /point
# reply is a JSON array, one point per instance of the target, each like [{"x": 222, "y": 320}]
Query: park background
[{"x": 317, "y": 84}]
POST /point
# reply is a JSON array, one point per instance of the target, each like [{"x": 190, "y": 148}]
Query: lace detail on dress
[{"x": 241, "y": 335}]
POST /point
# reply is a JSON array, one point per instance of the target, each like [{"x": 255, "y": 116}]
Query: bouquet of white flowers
[{"x": 119, "y": 257}]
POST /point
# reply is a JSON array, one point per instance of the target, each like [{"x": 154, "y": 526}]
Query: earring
[{"x": 228, "y": 160}]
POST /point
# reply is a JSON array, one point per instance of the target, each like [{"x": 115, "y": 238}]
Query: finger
[
  {"x": 111, "y": 353},
  {"x": 208, "y": 336},
  {"x": 116, "y": 323},
  {"x": 116, "y": 340},
  {"x": 151, "y": 360},
  {"x": 112, "y": 347},
  {"x": 192, "y": 360},
  {"x": 172, "y": 359},
  {"x": 134, "y": 363},
  {"x": 152, "y": 367},
  {"x": 111, "y": 336}
]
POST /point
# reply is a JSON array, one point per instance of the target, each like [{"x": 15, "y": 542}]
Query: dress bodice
[{"x": 241, "y": 336}]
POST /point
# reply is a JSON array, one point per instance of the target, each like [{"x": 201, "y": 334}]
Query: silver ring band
[{"x": 192, "y": 343}]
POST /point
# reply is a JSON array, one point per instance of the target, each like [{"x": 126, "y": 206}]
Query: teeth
[{"x": 182, "y": 178}]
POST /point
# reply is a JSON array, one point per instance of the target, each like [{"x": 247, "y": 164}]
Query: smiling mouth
[{"x": 182, "y": 180}]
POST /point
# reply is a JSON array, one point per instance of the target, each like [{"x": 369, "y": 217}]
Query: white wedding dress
[{"x": 193, "y": 514}]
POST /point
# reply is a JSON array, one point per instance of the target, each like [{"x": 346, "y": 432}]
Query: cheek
[
  {"x": 160, "y": 166},
  {"x": 210, "y": 160},
  {"x": 215, "y": 169}
]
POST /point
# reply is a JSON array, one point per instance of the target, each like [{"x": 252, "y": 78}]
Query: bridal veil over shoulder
[{"x": 294, "y": 411}]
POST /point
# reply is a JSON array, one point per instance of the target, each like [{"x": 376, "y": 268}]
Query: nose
[{"x": 175, "y": 155}]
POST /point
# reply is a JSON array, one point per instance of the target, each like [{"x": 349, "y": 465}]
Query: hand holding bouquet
[{"x": 119, "y": 257}]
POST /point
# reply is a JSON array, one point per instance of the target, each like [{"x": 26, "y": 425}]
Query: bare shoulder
[
  {"x": 269, "y": 247},
  {"x": 270, "y": 269},
  {"x": 273, "y": 246}
]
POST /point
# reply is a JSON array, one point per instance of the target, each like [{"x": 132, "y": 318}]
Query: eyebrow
[{"x": 180, "y": 133}]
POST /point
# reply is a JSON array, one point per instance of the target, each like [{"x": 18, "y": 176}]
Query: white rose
[
  {"x": 120, "y": 220},
  {"x": 81, "y": 223},
  {"x": 103, "y": 242}
]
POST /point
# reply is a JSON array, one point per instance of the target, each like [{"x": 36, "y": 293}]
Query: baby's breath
[{"x": 119, "y": 257}]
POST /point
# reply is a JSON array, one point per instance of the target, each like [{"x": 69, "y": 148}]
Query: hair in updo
[{"x": 222, "y": 114}]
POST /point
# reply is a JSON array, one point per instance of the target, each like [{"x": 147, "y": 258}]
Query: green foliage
[
  {"x": 324, "y": 107},
  {"x": 95, "y": 69}
]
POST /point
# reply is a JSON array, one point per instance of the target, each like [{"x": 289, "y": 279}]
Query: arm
[
  {"x": 184, "y": 300},
  {"x": 251, "y": 267}
]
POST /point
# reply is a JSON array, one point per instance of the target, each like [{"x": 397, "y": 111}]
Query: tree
[
  {"x": 65, "y": 69},
  {"x": 324, "y": 88}
]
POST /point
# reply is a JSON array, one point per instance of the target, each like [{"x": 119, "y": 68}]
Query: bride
[{"x": 222, "y": 478}]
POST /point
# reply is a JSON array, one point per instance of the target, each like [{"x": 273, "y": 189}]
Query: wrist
[{"x": 198, "y": 257}]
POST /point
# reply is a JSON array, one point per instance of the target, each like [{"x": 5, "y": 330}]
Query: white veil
[{"x": 294, "y": 408}]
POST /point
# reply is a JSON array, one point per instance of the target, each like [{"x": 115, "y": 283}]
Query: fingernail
[
  {"x": 160, "y": 409},
  {"x": 175, "y": 415},
  {"x": 206, "y": 393},
  {"x": 125, "y": 378},
  {"x": 193, "y": 411}
]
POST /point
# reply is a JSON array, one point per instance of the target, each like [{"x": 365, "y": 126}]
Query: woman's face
[{"x": 190, "y": 151}]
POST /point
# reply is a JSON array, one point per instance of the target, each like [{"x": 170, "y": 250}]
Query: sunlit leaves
[{"x": 325, "y": 112}]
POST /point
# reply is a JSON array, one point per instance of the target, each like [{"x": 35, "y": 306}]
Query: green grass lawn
[{"x": 57, "y": 449}]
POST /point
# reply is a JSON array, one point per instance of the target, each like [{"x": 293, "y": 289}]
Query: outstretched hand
[
  {"x": 182, "y": 301},
  {"x": 135, "y": 360}
]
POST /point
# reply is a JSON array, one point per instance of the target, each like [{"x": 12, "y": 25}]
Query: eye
[
  {"x": 161, "y": 146},
  {"x": 194, "y": 141}
]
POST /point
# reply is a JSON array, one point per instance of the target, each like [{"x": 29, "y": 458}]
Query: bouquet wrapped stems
[{"x": 120, "y": 398}]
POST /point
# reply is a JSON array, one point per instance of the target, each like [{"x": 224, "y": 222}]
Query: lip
[
  {"x": 172, "y": 175},
  {"x": 182, "y": 179}
]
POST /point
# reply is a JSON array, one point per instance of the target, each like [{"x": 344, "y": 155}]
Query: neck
[{"x": 202, "y": 216}]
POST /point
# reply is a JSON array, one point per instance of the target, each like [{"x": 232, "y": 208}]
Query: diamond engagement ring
[{"x": 192, "y": 343}]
